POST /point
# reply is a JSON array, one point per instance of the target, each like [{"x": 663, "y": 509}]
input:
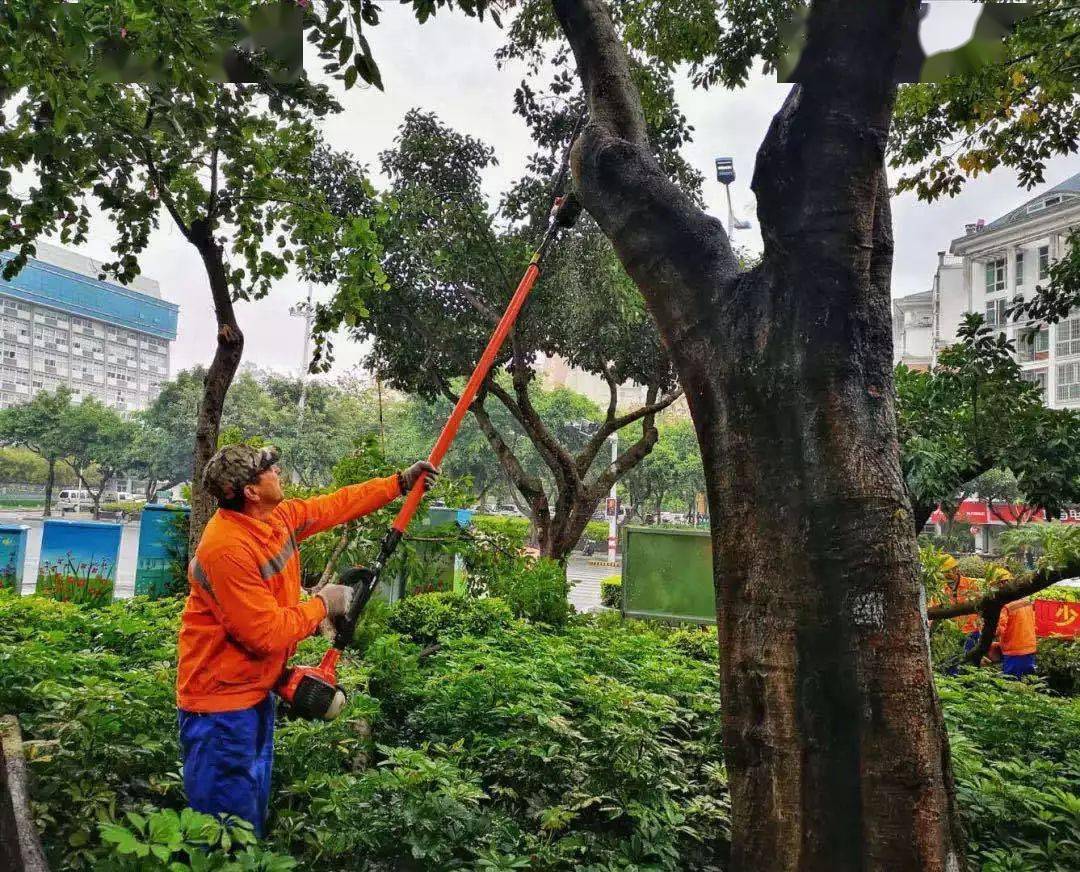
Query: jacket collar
[{"x": 265, "y": 531}]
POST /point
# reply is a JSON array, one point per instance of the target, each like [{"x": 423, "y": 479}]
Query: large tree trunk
[
  {"x": 835, "y": 748},
  {"x": 49, "y": 481},
  {"x": 230, "y": 348}
]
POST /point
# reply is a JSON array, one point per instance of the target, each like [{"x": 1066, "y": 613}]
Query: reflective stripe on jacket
[
  {"x": 1016, "y": 628},
  {"x": 243, "y": 616}
]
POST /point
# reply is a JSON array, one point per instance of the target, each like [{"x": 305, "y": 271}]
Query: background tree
[
  {"x": 451, "y": 269},
  {"x": 229, "y": 162},
  {"x": 1017, "y": 111},
  {"x": 163, "y": 454},
  {"x": 787, "y": 370},
  {"x": 38, "y": 426},
  {"x": 99, "y": 446},
  {"x": 974, "y": 413}
]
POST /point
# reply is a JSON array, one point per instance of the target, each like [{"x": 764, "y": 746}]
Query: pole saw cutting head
[{"x": 313, "y": 692}]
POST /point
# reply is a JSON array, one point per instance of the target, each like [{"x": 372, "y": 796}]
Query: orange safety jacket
[
  {"x": 243, "y": 616},
  {"x": 1016, "y": 629},
  {"x": 966, "y": 589}
]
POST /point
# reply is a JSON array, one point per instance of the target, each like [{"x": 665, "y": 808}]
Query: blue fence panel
[
  {"x": 78, "y": 561},
  {"x": 162, "y": 542},
  {"x": 12, "y": 555}
]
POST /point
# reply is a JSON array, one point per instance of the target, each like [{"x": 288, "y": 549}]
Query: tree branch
[
  {"x": 1017, "y": 589},
  {"x": 653, "y": 225},
  {"x": 592, "y": 448}
]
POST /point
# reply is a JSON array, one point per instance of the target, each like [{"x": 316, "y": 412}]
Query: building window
[
  {"x": 1033, "y": 345},
  {"x": 1068, "y": 336},
  {"x": 1068, "y": 383},
  {"x": 1038, "y": 377},
  {"x": 995, "y": 313},
  {"x": 995, "y": 275},
  {"x": 1019, "y": 269},
  {"x": 1044, "y": 261}
]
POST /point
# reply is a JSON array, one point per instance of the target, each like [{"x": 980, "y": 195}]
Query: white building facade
[
  {"x": 986, "y": 269},
  {"x": 60, "y": 325}
]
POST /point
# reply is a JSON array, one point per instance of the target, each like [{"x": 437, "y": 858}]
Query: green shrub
[
  {"x": 1060, "y": 593},
  {"x": 428, "y": 617},
  {"x": 1058, "y": 661},
  {"x": 128, "y": 507},
  {"x": 597, "y": 531},
  {"x": 536, "y": 591},
  {"x": 946, "y": 645},
  {"x": 972, "y": 567},
  {"x": 595, "y": 747},
  {"x": 611, "y": 591},
  {"x": 515, "y": 529}
]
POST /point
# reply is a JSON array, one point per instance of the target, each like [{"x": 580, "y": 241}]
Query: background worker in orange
[
  {"x": 1015, "y": 643},
  {"x": 959, "y": 588},
  {"x": 243, "y": 619}
]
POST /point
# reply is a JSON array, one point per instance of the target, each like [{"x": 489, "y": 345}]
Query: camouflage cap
[{"x": 235, "y": 466}]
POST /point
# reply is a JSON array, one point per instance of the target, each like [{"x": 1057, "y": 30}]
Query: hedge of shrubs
[{"x": 473, "y": 739}]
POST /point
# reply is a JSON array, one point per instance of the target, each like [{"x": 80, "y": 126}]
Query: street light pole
[{"x": 725, "y": 175}]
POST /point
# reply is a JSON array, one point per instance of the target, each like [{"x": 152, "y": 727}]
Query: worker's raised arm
[
  {"x": 248, "y": 610},
  {"x": 308, "y": 517}
]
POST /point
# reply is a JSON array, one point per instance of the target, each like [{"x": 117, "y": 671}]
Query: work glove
[
  {"x": 408, "y": 477},
  {"x": 337, "y": 598}
]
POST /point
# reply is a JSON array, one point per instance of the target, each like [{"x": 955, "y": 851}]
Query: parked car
[{"x": 72, "y": 500}]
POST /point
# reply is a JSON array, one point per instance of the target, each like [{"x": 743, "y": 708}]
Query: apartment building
[
  {"x": 61, "y": 325},
  {"x": 984, "y": 270}
]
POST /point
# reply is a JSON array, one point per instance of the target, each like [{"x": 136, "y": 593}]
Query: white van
[{"x": 71, "y": 500}]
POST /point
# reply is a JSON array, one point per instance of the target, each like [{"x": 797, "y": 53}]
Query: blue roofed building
[{"x": 61, "y": 325}]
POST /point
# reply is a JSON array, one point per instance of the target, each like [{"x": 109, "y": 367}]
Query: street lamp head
[{"x": 725, "y": 170}]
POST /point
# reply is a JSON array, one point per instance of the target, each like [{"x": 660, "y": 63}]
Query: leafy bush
[
  {"x": 597, "y": 531},
  {"x": 513, "y": 528},
  {"x": 1060, "y": 593},
  {"x": 131, "y": 508},
  {"x": 611, "y": 591},
  {"x": 535, "y": 590},
  {"x": 1017, "y": 769},
  {"x": 1058, "y": 661},
  {"x": 972, "y": 567},
  {"x": 596, "y": 747},
  {"x": 428, "y": 617}
]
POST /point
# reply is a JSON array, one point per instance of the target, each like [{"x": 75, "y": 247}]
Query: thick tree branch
[
  {"x": 588, "y": 454},
  {"x": 679, "y": 257}
]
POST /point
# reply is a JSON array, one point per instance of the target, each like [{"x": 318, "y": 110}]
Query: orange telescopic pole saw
[{"x": 313, "y": 692}]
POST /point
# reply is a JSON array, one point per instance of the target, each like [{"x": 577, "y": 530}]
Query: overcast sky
[{"x": 447, "y": 66}]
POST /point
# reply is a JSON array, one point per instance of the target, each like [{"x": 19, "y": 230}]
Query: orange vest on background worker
[
  {"x": 966, "y": 589},
  {"x": 1016, "y": 629},
  {"x": 243, "y": 617}
]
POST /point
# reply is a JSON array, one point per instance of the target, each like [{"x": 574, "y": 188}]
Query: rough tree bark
[
  {"x": 50, "y": 480},
  {"x": 219, "y": 376},
  {"x": 835, "y": 748}
]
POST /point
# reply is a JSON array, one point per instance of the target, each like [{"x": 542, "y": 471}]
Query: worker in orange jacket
[
  {"x": 243, "y": 619},
  {"x": 959, "y": 588},
  {"x": 1015, "y": 643}
]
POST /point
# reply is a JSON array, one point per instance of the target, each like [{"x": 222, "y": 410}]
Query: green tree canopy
[
  {"x": 38, "y": 426},
  {"x": 974, "y": 413},
  {"x": 451, "y": 264}
]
